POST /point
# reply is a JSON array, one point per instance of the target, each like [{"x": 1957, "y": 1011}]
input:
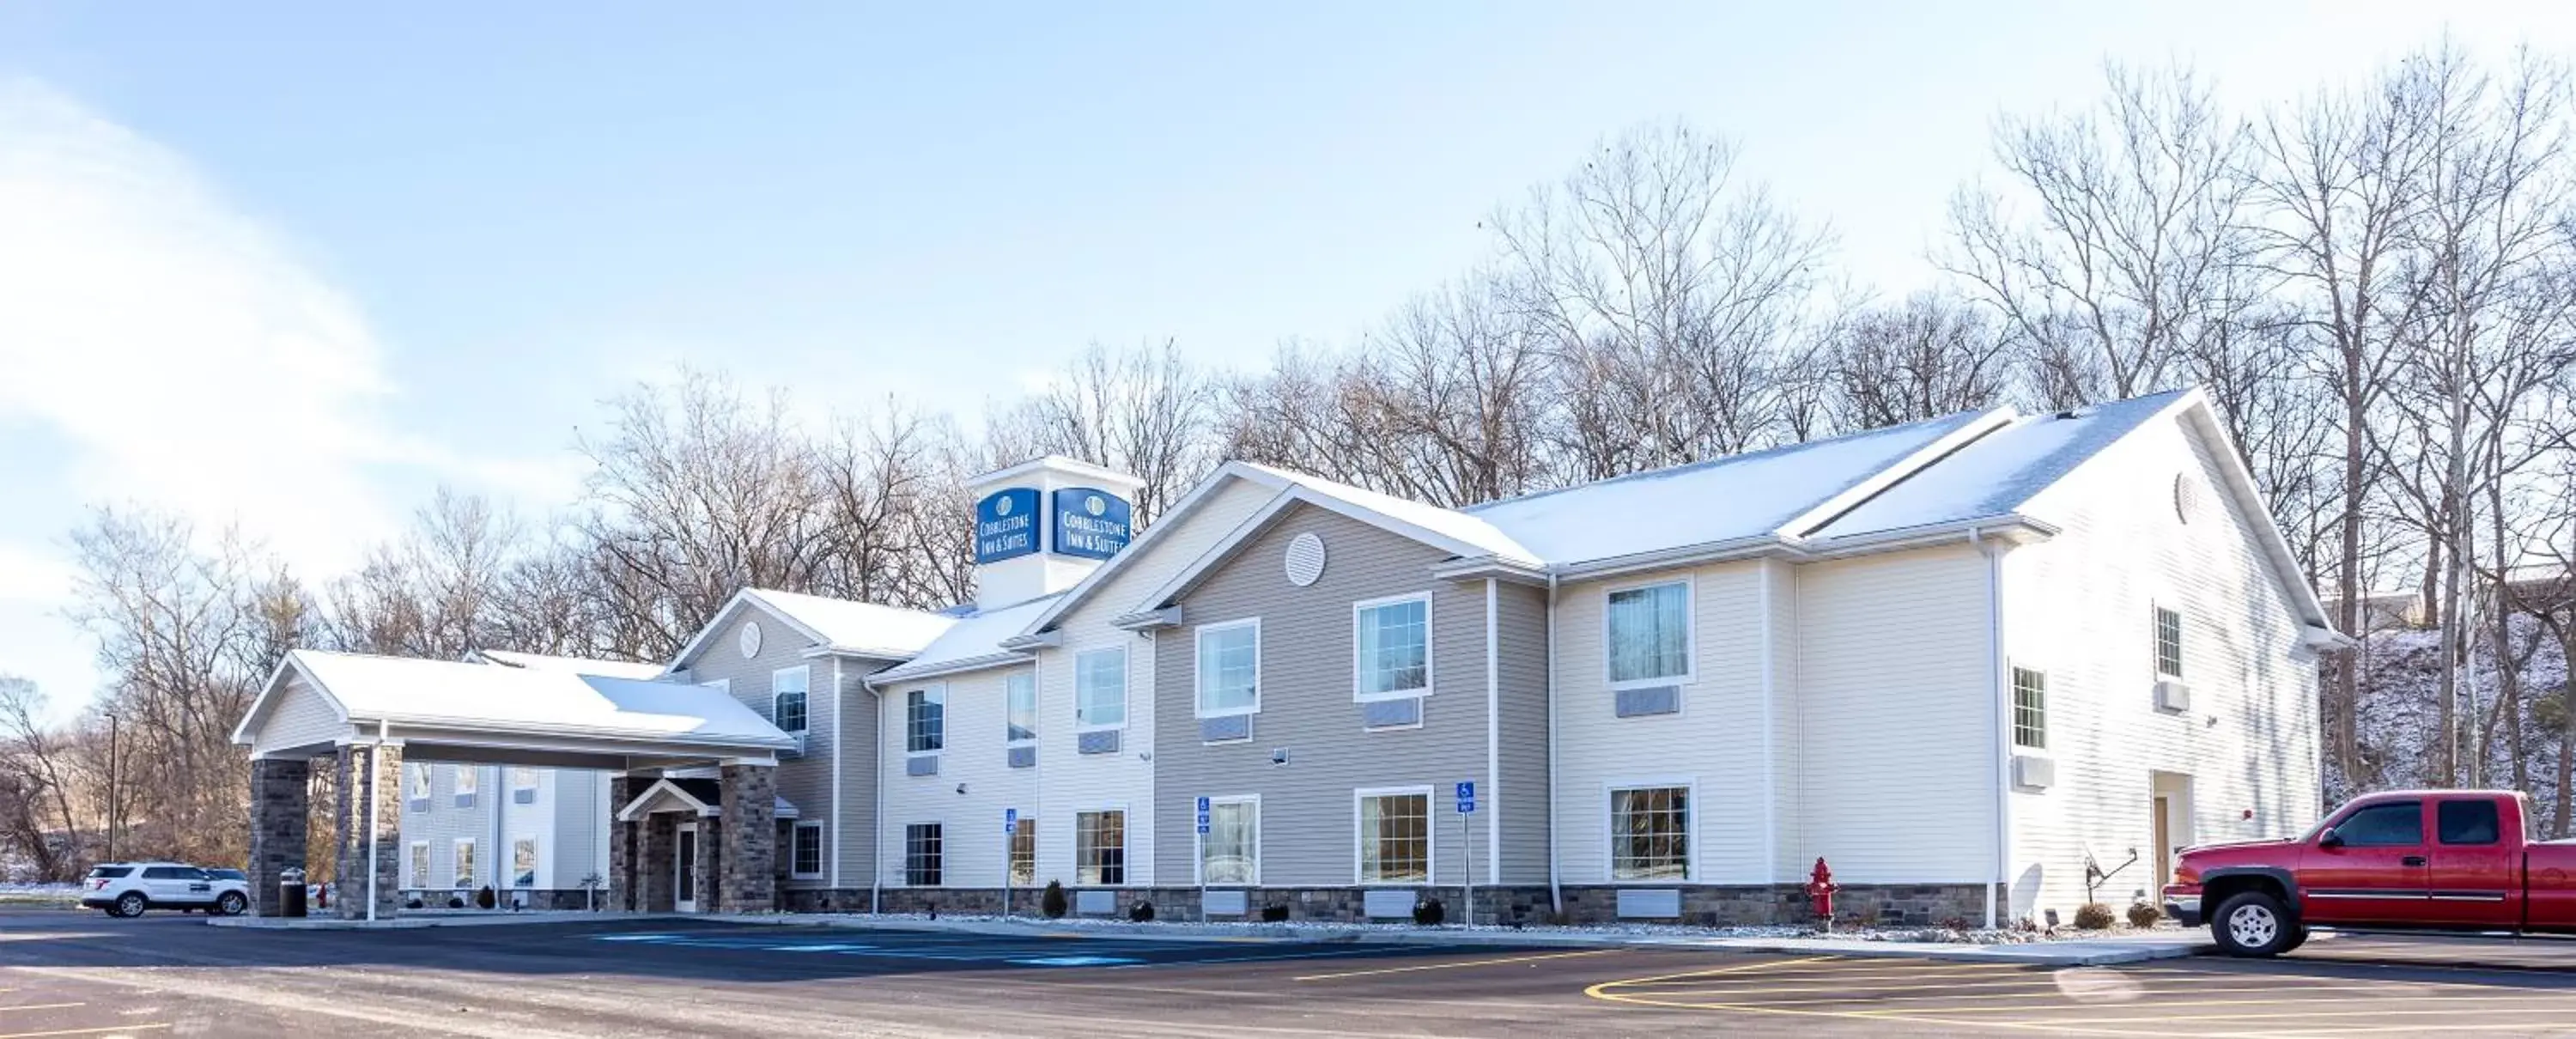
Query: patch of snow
[
  {"x": 974, "y": 637},
  {"x": 1449, "y": 523},
  {"x": 371, "y": 687},
  {"x": 1999, "y": 471},
  {"x": 889, "y": 631}
]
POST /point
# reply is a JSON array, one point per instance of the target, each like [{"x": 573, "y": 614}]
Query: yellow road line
[
  {"x": 86, "y": 1031},
  {"x": 1446, "y": 966},
  {"x": 1595, "y": 991},
  {"x": 1802, "y": 977}
]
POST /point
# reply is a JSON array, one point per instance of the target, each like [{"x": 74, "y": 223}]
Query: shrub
[
  {"x": 1052, "y": 902},
  {"x": 1954, "y": 923},
  {"x": 414, "y": 903},
  {"x": 1275, "y": 912},
  {"x": 1429, "y": 912},
  {"x": 2093, "y": 916},
  {"x": 2143, "y": 915},
  {"x": 1141, "y": 912},
  {"x": 485, "y": 899},
  {"x": 455, "y": 901}
]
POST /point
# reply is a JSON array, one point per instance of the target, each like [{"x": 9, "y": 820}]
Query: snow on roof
[
  {"x": 859, "y": 627},
  {"x": 1722, "y": 499},
  {"x": 576, "y": 665},
  {"x": 2001, "y": 471},
  {"x": 1474, "y": 532},
  {"x": 975, "y": 638},
  {"x": 432, "y": 692}
]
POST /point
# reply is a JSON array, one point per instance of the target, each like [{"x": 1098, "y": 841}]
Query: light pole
[{"x": 112, "y": 780}]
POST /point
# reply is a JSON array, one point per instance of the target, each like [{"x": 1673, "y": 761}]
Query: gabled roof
[
  {"x": 973, "y": 643},
  {"x": 1462, "y": 533},
  {"x": 2000, "y": 472},
  {"x": 576, "y": 665},
  {"x": 701, "y": 796},
  {"x": 364, "y": 690},
  {"x": 831, "y": 625}
]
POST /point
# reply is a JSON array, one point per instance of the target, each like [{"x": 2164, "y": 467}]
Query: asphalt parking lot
[{"x": 71, "y": 974}]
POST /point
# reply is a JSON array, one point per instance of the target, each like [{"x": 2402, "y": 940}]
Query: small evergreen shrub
[
  {"x": 1052, "y": 902},
  {"x": 2093, "y": 916},
  {"x": 1141, "y": 912},
  {"x": 485, "y": 899},
  {"x": 1275, "y": 912},
  {"x": 1954, "y": 923},
  {"x": 1429, "y": 912},
  {"x": 414, "y": 903},
  {"x": 2143, "y": 915},
  {"x": 455, "y": 901}
]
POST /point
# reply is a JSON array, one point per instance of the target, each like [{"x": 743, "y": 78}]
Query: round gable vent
[
  {"x": 1305, "y": 559},
  {"x": 2186, "y": 497},
  {"x": 749, "y": 643}
]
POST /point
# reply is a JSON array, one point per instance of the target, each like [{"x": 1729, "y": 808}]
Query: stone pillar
[
  {"x": 657, "y": 839},
  {"x": 750, "y": 839},
  {"x": 366, "y": 773},
  {"x": 710, "y": 864},
  {"x": 621, "y": 847},
  {"x": 280, "y": 795}
]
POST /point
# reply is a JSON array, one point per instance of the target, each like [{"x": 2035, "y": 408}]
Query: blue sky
[{"x": 292, "y": 265}]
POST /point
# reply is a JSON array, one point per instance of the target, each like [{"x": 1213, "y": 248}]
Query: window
[
  {"x": 1230, "y": 668},
  {"x": 805, "y": 851},
  {"x": 420, "y": 863},
  {"x": 921, "y": 855},
  {"x": 1020, "y": 706},
  {"x": 2168, "y": 643},
  {"x": 469, "y": 778},
  {"x": 1650, "y": 833},
  {"x": 787, "y": 697},
  {"x": 1230, "y": 852},
  {"x": 418, "y": 775},
  {"x": 925, "y": 721},
  {"x": 1100, "y": 688},
  {"x": 1649, "y": 634},
  {"x": 1393, "y": 647},
  {"x": 1100, "y": 848},
  {"x": 1024, "y": 851},
  {"x": 523, "y": 862},
  {"x": 1395, "y": 838},
  {"x": 2030, "y": 708},
  {"x": 2384, "y": 826},
  {"x": 2467, "y": 822},
  {"x": 523, "y": 785},
  {"x": 464, "y": 865}
]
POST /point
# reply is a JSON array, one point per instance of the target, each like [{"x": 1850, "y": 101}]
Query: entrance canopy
[{"x": 444, "y": 711}]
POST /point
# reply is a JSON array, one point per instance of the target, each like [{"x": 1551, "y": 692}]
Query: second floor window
[
  {"x": 925, "y": 721},
  {"x": 523, "y": 785},
  {"x": 2030, "y": 708},
  {"x": 1230, "y": 668},
  {"x": 1394, "y": 646},
  {"x": 418, "y": 776},
  {"x": 1648, "y": 631},
  {"x": 1100, "y": 688},
  {"x": 2168, "y": 642},
  {"x": 1020, "y": 706},
  {"x": 468, "y": 778},
  {"x": 787, "y": 698}
]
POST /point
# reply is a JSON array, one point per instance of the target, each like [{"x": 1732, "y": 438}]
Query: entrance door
[
  {"x": 685, "y": 862},
  {"x": 2164, "y": 841}
]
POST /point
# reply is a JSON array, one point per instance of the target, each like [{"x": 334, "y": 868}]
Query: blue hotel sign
[
  {"x": 1089, "y": 523},
  {"x": 1006, "y": 524}
]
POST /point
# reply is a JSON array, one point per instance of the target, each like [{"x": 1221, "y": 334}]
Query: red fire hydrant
[{"x": 1820, "y": 893}]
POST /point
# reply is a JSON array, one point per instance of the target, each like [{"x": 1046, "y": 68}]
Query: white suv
[{"x": 129, "y": 888}]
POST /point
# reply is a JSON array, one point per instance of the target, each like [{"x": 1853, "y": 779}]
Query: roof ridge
[{"x": 1711, "y": 463}]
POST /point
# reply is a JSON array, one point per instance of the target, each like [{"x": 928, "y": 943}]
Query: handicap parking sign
[
  {"x": 1466, "y": 797},
  {"x": 1010, "y": 820},
  {"x": 1203, "y": 805}
]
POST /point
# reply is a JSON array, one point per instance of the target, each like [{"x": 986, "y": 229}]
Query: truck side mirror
[{"x": 2330, "y": 839}]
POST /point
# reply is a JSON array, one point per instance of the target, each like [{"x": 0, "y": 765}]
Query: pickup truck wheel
[{"x": 2254, "y": 924}]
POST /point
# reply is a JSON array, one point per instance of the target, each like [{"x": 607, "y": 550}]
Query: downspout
[
  {"x": 375, "y": 796},
  {"x": 1555, "y": 891},
  {"x": 876, "y": 824},
  {"x": 1997, "y": 691},
  {"x": 1493, "y": 740},
  {"x": 833, "y": 831},
  {"x": 1770, "y": 738}
]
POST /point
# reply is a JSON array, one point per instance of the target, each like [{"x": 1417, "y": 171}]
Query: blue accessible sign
[
  {"x": 1203, "y": 815},
  {"x": 1010, "y": 820},
  {"x": 1466, "y": 797}
]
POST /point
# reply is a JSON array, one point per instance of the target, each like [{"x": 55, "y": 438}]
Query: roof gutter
[{"x": 891, "y": 676}]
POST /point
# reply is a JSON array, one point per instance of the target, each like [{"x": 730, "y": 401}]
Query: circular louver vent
[
  {"x": 750, "y": 639},
  {"x": 1305, "y": 559},
  {"x": 2186, "y": 497}
]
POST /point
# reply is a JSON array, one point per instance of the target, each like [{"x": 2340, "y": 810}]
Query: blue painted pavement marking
[{"x": 938, "y": 948}]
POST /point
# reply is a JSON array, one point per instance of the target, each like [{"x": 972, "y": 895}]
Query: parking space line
[
  {"x": 2375, "y": 1011},
  {"x": 2143, "y": 1004},
  {"x": 43, "y": 1006},
  {"x": 1838, "y": 977},
  {"x": 1342, "y": 953},
  {"x": 1447, "y": 966},
  {"x": 1894, "y": 995},
  {"x": 87, "y": 1031}
]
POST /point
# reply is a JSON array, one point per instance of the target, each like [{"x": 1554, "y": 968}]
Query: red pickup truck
[{"x": 2447, "y": 860}]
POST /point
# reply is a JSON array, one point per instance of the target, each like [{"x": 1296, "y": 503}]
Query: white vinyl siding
[
  {"x": 1648, "y": 632},
  {"x": 1391, "y": 647},
  {"x": 1229, "y": 658}
]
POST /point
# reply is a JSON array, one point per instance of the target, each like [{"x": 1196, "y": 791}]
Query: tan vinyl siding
[
  {"x": 1306, "y": 673},
  {"x": 1521, "y": 790},
  {"x": 805, "y": 781},
  {"x": 851, "y": 828}
]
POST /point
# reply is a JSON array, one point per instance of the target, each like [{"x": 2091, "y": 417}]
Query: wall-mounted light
[
  {"x": 1278, "y": 755},
  {"x": 961, "y": 788}
]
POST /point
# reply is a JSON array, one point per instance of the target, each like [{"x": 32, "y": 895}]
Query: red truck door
[
  {"x": 2370, "y": 867},
  {"x": 2476, "y": 878}
]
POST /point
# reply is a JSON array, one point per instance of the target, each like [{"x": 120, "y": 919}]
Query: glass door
[{"x": 685, "y": 862}]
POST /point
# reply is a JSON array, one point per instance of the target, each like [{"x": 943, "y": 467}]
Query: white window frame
[
  {"x": 421, "y": 786},
  {"x": 536, "y": 862},
  {"x": 1126, "y": 844},
  {"x": 469, "y": 782},
  {"x": 1430, "y": 835},
  {"x": 1198, "y": 861},
  {"x": 2014, "y": 671},
  {"x": 1198, "y": 660},
  {"x": 907, "y": 855},
  {"x": 463, "y": 879},
  {"x": 805, "y": 679},
  {"x": 1430, "y": 640},
  {"x": 418, "y": 861},
  {"x": 2155, "y": 639},
  {"x": 1027, "y": 821},
  {"x": 937, "y": 690},
  {"x": 1689, "y": 785},
  {"x": 1690, "y": 634},
  {"x": 796, "y": 833},
  {"x": 512, "y": 776},
  {"x": 1035, "y": 727},
  {"x": 1126, "y": 678}
]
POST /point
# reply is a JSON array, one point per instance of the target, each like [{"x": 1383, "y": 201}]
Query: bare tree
[
  {"x": 1928, "y": 356},
  {"x": 1143, "y": 411}
]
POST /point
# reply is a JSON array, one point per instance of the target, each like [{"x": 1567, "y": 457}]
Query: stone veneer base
[{"x": 1702, "y": 904}]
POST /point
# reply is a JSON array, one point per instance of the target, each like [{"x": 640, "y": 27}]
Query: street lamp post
[{"x": 114, "y": 802}]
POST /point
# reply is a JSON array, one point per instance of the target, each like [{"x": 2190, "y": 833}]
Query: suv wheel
[
  {"x": 233, "y": 903},
  {"x": 131, "y": 904},
  {"x": 2254, "y": 924}
]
